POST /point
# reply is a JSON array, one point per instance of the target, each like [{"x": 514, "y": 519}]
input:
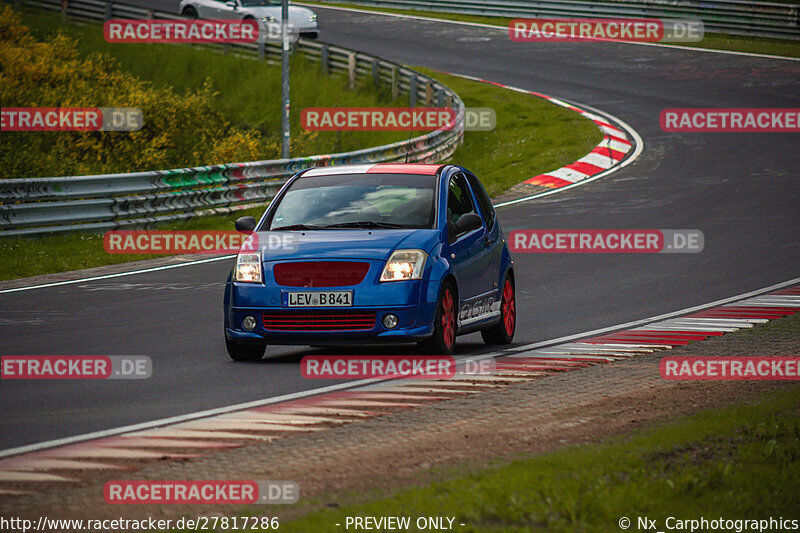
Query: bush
[{"x": 179, "y": 130}]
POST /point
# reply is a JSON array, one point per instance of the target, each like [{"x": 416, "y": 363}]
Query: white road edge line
[
  {"x": 658, "y": 318},
  {"x": 363, "y": 382},
  {"x": 202, "y": 414},
  {"x": 117, "y": 275},
  {"x": 505, "y": 29}
]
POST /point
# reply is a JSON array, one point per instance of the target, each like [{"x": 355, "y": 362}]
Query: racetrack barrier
[
  {"x": 51, "y": 205},
  {"x": 735, "y": 17}
]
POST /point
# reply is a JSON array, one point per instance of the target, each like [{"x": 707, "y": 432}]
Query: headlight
[
  {"x": 248, "y": 268},
  {"x": 313, "y": 17},
  {"x": 269, "y": 18},
  {"x": 404, "y": 264}
]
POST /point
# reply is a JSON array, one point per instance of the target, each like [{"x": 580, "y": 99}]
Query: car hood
[
  {"x": 297, "y": 15},
  {"x": 341, "y": 244}
]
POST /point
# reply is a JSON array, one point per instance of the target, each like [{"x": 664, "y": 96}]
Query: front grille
[
  {"x": 318, "y": 320},
  {"x": 320, "y": 273}
]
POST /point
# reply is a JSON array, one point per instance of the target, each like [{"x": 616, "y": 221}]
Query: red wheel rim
[
  {"x": 509, "y": 308},
  {"x": 448, "y": 319}
]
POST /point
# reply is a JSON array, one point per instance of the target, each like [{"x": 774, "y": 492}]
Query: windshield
[
  {"x": 255, "y": 3},
  {"x": 374, "y": 201}
]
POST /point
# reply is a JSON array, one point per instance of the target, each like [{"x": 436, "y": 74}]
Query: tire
[
  {"x": 245, "y": 352},
  {"x": 443, "y": 340},
  {"x": 190, "y": 12},
  {"x": 503, "y": 331}
]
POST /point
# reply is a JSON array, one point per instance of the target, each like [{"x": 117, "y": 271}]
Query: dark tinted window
[
  {"x": 403, "y": 200},
  {"x": 483, "y": 201},
  {"x": 459, "y": 200}
]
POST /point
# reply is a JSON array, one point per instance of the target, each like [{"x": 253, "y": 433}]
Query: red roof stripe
[{"x": 404, "y": 168}]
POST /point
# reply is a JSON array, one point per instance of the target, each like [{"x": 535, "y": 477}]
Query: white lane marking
[
  {"x": 632, "y": 344},
  {"x": 658, "y": 318},
  {"x": 342, "y": 386},
  {"x": 573, "y": 357},
  {"x": 598, "y": 160},
  {"x": 658, "y": 327},
  {"x": 614, "y": 145},
  {"x": 117, "y": 275},
  {"x": 724, "y": 322},
  {"x": 181, "y": 418},
  {"x": 505, "y": 29},
  {"x": 567, "y": 174}
]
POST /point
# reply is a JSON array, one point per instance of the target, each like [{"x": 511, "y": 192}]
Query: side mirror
[
  {"x": 468, "y": 222},
  {"x": 245, "y": 224},
  {"x": 231, "y": 3}
]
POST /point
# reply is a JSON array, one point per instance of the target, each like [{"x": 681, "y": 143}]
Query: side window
[
  {"x": 483, "y": 201},
  {"x": 459, "y": 200}
]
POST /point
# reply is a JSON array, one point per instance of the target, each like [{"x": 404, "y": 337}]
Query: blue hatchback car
[{"x": 366, "y": 254}]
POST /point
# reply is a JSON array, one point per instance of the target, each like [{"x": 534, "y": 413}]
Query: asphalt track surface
[{"x": 741, "y": 190}]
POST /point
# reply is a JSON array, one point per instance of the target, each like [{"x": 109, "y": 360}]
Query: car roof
[{"x": 377, "y": 168}]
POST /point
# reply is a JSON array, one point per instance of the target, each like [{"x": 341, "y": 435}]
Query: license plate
[{"x": 318, "y": 299}]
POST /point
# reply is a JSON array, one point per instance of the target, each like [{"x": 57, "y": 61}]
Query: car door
[
  {"x": 207, "y": 9},
  {"x": 493, "y": 239},
  {"x": 468, "y": 251},
  {"x": 223, "y": 11}
]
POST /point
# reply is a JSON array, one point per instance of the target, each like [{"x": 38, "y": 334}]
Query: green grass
[
  {"x": 532, "y": 136},
  {"x": 715, "y": 41},
  {"x": 739, "y": 462},
  {"x": 23, "y": 257},
  {"x": 249, "y": 92}
]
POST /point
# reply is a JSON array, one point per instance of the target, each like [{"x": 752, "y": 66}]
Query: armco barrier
[
  {"x": 736, "y": 17},
  {"x": 36, "y": 206}
]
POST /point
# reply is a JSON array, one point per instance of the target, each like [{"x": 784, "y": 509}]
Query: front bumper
[
  {"x": 406, "y": 299},
  {"x": 409, "y": 328}
]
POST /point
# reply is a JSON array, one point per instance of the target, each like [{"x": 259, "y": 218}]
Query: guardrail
[
  {"x": 736, "y": 17},
  {"x": 36, "y": 206}
]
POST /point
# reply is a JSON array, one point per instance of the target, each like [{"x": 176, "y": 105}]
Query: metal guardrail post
[
  {"x": 109, "y": 11},
  {"x": 376, "y": 76},
  {"x": 412, "y": 90},
  {"x": 428, "y": 94},
  {"x": 262, "y": 50},
  {"x": 351, "y": 70},
  {"x": 64, "y": 9},
  {"x": 323, "y": 59},
  {"x": 395, "y": 85}
]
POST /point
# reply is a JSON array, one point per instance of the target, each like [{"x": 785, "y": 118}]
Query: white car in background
[{"x": 267, "y": 13}]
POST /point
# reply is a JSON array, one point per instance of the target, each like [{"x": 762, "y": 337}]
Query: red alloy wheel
[
  {"x": 448, "y": 318},
  {"x": 509, "y": 308}
]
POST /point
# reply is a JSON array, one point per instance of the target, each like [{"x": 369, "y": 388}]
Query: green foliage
[{"x": 179, "y": 129}]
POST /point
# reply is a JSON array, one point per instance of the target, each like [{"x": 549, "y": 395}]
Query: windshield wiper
[
  {"x": 365, "y": 224},
  {"x": 296, "y": 227}
]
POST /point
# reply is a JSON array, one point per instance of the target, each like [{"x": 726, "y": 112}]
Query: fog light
[
  {"x": 249, "y": 323},
  {"x": 390, "y": 321}
]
